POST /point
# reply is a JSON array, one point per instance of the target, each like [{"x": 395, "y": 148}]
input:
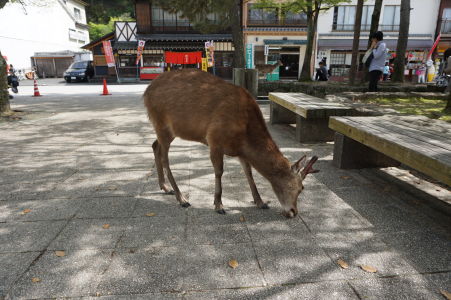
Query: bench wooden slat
[
  {"x": 368, "y": 124},
  {"x": 309, "y": 106},
  {"x": 412, "y": 152},
  {"x": 427, "y": 125}
]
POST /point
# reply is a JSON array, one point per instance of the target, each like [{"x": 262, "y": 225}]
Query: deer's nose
[{"x": 291, "y": 213}]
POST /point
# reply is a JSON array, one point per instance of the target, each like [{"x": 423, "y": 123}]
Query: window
[
  {"x": 77, "y": 14},
  {"x": 295, "y": 19},
  {"x": 344, "y": 17},
  {"x": 446, "y": 21},
  {"x": 163, "y": 20},
  {"x": 260, "y": 16},
  {"x": 391, "y": 18},
  {"x": 338, "y": 65}
]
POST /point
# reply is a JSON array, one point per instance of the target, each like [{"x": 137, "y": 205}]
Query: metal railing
[
  {"x": 276, "y": 22},
  {"x": 364, "y": 27}
]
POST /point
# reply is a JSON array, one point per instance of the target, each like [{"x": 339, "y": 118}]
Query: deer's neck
[{"x": 264, "y": 155}]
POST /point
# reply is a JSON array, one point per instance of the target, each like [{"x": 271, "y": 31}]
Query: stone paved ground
[{"x": 83, "y": 161}]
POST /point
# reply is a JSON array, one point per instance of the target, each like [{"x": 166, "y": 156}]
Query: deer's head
[{"x": 288, "y": 191}]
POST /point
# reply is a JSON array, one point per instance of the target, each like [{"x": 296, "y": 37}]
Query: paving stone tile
[
  {"x": 217, "y": 229},
  {"x": 206, "y": 267},
  {"x": 90, "y": 234},
  {"x": 75, "y": 274},
  {"x": 160, "y": 204},
  {"x": 110, "y": 207},
  {"x": 144, "y": 271},
  {"x": 339, "y": 219},
  {"x": 427, "y": 251},
  {"x": 441, "y": 280},
  {"x": 275, "y": 228},
  {"x": 36, "y": 176},
  {"x": 44, "y": 209},
  {"x": 28, "y": 236},
  {"x": 317, "y": 291},
  {"x": 295, "y": 262},
  {"x": 364, "y": 248},
  {"x": 26, "y": 191},
  {"x": 12, "y": 265},
  {"x": 404, "y": 287},
  {"x": 153, "y": 296},
  {"x": 148, "y": 232}
]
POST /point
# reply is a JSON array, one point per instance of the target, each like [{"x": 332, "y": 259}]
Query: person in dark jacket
[{"x": 321, "y": 72}]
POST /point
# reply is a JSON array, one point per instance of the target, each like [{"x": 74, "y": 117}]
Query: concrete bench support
[
  {"x": 313, "y": 130},
  {"x": 349, "y": 154},
  {"x": 281, "y": 115}
]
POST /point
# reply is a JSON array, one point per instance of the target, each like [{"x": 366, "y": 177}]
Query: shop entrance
[{"x": 290, "y": 68}]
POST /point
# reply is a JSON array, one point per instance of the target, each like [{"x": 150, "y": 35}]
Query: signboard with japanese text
[
  {"x": 139, "y": 53},
  {"x": 249, "y": 56},
  {"x": 209, "y": 51},
  {"x": 108, "y": 51},
  {"x": 204, "y": 64}
]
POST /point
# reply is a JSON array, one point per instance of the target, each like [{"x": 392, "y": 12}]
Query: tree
[
  {"x": 97, "y": 30},
  {"x": 399, "y": 64},
  {"x": 312, "y": 9},
  {"x": 227, "y": 15},
  {"x": 375, "y": 17},
  {"x": 355, "y": 44},
  {"x": 101, "y": 11}
]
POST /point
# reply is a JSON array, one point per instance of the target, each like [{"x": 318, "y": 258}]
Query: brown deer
[
  {"x": 197, "y": 106},
  {"x": 267, "y": 69}
]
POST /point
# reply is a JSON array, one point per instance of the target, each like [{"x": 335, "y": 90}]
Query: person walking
[
  {"x": 422, "y": 74},
  {"x": 377, "y": 64},
  {"x": 386, "y": 71}
]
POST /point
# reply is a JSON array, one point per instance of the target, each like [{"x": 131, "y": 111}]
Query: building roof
[
  {"x": 81, "y": 2},
  {"x": 94, "y": 43}
]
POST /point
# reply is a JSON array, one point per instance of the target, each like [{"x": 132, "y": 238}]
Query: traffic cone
[
  {"x": 105, "y": 89},
  {"x": 36, "y": 90}
]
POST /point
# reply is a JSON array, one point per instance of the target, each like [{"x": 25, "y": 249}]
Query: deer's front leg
[
  {"x": 217, "y": 159},
  {"x": 250, "y": 179}
]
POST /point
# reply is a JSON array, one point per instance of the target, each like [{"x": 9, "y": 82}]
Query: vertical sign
[
  {"x": 209, "y": 51},
  {"x": 249, "y": 56},
  {"x": 108, "y": 50},
  {"x": 140, "y": 51},
  {"x": 266, "y": 50},
  {"x": 204, "y": 64}
]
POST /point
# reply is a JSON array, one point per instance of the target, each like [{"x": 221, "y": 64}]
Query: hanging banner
[
  {"x": 249, "y": 56},
  {"x": 204, "y": 64},
  {"x": 108, "y": 51},
  {"x": 434, "y": 46},
  {"x": 183, "y": 58},
  {"x": 139, "y": 53},
  {"x": 209, "y": 51}
]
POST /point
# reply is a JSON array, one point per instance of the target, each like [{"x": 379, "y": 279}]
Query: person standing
[
  {"x": 379, "y": 53},
  {"x": 422, "y": 74}
]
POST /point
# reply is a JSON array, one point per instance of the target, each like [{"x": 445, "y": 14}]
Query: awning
[
  {"x": 185, "y": 37},
  {"x": 346, "y": 44},
  {"x": 285, "y": 42}
]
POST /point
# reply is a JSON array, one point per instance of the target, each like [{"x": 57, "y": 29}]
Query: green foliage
[
  {"x": 298, "y": 6},
  {"x": 205, "y": 15},
  {"x": 97, "y": 30},
  {"x": 101, "y": 11}
]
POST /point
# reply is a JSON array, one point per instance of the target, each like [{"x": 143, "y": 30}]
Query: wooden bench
[
  {"x": 418, "y": 142},
  {"x": 310, "y": 114}
]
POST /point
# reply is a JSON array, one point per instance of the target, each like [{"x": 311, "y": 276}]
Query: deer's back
[{"x": 198, "y": 106}]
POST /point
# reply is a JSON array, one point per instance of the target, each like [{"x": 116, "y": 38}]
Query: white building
[
  {"x": 41, "y": 26},
  {"x": 336, "y": 32}
]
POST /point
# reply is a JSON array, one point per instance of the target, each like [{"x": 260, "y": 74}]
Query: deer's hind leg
[
  {"x": 158, "y": 164},
  {"x": 164, "y": 141},
  {"x": 217, "y": 159}
]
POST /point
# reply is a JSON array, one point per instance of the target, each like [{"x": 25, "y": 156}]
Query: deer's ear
[{"x": 297, "y": 166}]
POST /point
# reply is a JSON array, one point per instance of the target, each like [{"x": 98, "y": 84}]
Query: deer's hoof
[
  {"x": 185, "y": 204},
  {"x": 171, "y": 192},
  {"x": 263, "y": 206},
  {"x": 221, "y": 211}
]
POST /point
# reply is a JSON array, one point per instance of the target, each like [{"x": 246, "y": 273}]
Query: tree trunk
[
  {"x": 237, "y": 36},
  {"x": 448, "y": 104},
  {"x": 355, "y": 44},
  {"x": 311, "y": 31},
  {"x": 375, "y": 18},
  {"x": 4, "y": 96},
  {"x": 399, "y": 65}
]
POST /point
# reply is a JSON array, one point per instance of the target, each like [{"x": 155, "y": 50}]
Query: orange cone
[
  {"x": 105, "y": 89},
  {"x": 36, "y": 90}
]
